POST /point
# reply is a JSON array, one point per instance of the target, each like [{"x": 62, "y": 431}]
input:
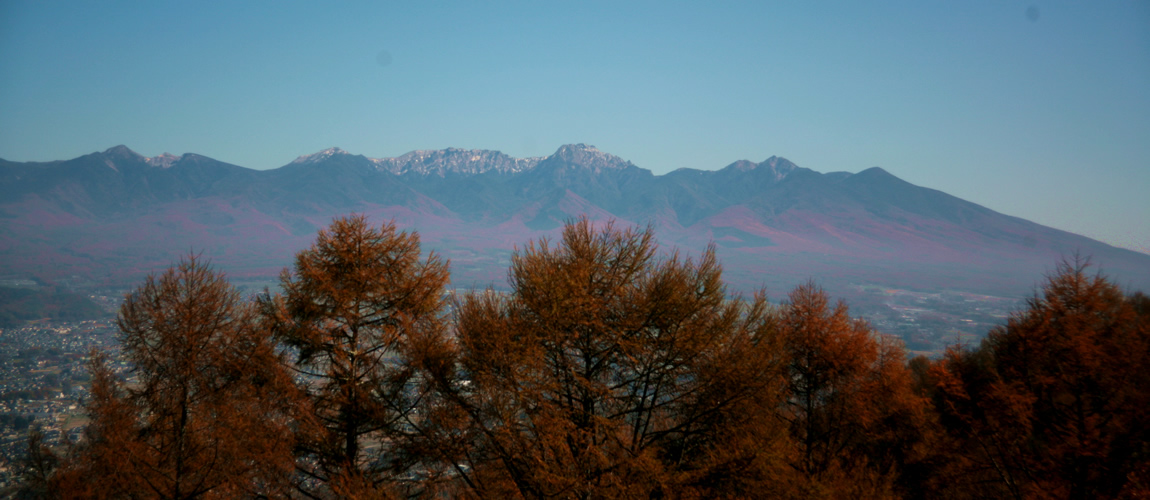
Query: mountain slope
[{"x": 115, "y": 215}]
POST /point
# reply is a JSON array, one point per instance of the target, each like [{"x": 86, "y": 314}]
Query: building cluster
[
  {"x": 44, "y": 380},
  {"x": 928, "y": 323}
]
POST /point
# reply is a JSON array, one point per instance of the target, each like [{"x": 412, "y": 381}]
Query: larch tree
[
  {"x": 1054, "y": 403},
  {"x": 36, "y": 470},
  {"x": 354, "y": 309},
  {"x": 606, "y": 373},
  {"x": 850, "y": 407},
  {"x": 208, "y": 415}
]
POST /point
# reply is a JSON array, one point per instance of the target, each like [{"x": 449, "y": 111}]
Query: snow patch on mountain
[
  {"x": 588, "y": 156},
  {"x": 320, "y": 156},
  {"x": 457, "y": 161},
  {"x": 454, "y": 161},
  {"x": 163, "y": 161}
]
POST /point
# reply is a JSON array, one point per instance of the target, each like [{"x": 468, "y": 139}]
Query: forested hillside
[
  {"x": 18, "y": 305},
  {"x": 609, "y": 370}
]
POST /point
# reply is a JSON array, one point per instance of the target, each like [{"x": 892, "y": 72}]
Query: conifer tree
[
  {"x": 608, "y": 372},
  {"x": 1054, "y": 403},
  {"x": 354, "y": 309},
  {"x": 36, "y": 470},
  {"x": 208, "y": 413},
  {"x": 851, "y": 408}
]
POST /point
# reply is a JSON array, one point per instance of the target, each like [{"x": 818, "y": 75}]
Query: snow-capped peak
[
  {"x": 454, "y": 161},
  {"x": 163, "y": 161},
  {"x": 322, "y": 155},
  {"x": 588, "y": 156}
]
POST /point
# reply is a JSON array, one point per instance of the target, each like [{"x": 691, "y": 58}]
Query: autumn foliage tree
[
  {"x": 355, "y": 307},
  {"x": 607, "y": 372},
  {"x": 1055, "y": 403},
  {"x": 850, "y": 405},
  {"x": 209, "y": 411}
]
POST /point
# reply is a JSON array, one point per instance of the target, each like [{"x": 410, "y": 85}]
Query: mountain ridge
[{"x": 117, "y": 212}]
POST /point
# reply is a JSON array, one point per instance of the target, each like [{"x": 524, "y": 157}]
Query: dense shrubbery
[{"x": 606, "y": 372}]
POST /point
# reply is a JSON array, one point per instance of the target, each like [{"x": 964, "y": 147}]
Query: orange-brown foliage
[
  {"x": 851, "y": 409},
  {"x": 357, "y": 307},
  {"x": 1055, "y": 404},
  {"x": 208, "y": 415},
  {"x": 606, "y": 372},
  {"x": 609, "y": 373}
]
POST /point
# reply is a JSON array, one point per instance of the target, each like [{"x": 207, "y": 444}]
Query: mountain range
[{"x": 111, "y": 217}]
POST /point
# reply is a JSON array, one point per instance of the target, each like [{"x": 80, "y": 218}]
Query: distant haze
[
  {"x": 108, "y": 218},
  {"x": 1039, "y": 110}
]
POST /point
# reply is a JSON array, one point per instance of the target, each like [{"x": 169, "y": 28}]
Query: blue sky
[{"x": 1036, "y": 109}]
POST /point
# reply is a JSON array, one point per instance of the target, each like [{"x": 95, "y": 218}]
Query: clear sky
[{"x": 1035, "y": 109}]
